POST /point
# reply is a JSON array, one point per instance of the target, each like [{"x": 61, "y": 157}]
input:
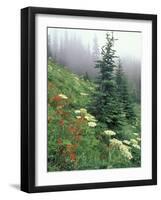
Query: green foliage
[
  {"x": 77, "y": 139},
  {"x": 106, "y": 104},
  {"x": 124, "y": 95}
]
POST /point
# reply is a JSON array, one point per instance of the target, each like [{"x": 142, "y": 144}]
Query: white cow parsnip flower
[
  {"x": 133, "y": 141},
  {"x": 77, "y": 111},
  {"x": 83, "y": 110},
  {"x": 136, "y": 146},
  {"x": 126, "y": 142},
  {"x": 109, "y": 133},
  {"x": 63, "y": 96},
  {"x": 92, "y": 124}
]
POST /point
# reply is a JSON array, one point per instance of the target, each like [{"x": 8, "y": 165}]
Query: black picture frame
[{"x": 28, "y": 98}]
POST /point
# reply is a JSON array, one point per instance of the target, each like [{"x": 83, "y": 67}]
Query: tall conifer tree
[{"x": 106, "y": 106}]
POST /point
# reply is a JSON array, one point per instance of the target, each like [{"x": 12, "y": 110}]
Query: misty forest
[{"x": 94, "y": 100}]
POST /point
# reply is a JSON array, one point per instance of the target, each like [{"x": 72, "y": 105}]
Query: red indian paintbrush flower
[
  {"x": 73, "y": 156},
  {"x": 72, "y": 129},
  {"x": 61, "y": 122}
]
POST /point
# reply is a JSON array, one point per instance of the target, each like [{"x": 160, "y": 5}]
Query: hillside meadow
[{"x": 77, "y": 139}]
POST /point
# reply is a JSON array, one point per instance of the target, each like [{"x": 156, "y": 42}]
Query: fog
[
  {"x": 75, "y": 46},
  {"x": 79, "y": 49}
]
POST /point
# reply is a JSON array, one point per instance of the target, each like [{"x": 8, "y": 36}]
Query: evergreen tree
[
  {"x": 123, "y": 93},
  {"x": 106, "y": 106}
]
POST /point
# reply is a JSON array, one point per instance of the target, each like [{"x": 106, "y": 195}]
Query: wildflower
[
  {"x": 83, "y": 94},
  {"x": 73, "y": 156},
  {"x": 133, "y": 141},
  {"x": 136, "y": 146},
  {"x": 138, "y": 139},
  {"x": 109, "y": 132},
  {"x": 57, "y": 98},
  {"x": 72, "y": 129},
  {"x": 78, "y": 117},
  {"x": 87, "y": 118},
  {"x": 122, "y": 147},
  {"x": 83, "y": 110},
  {"x": 136, "y": 134},
  {"x": 77, "y": 111},
  {"x": 90, "y": 117},
  {"x": 92, "y": 124},
  {"x": 78, "y": 137},
  {"x": 126, "y": 142},
  {"x": 115, "y": 142},
  {"x": 61, "y": 122},
  {"x": 63, "y": 96},
  {"x": 125, "y": 151}
]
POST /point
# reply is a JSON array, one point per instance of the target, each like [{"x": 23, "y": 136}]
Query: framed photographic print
[{"x": 88, "y": 99}]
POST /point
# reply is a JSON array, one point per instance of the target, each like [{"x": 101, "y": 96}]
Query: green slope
[
  {"x": 68, "y": 135},
  {"x": 76, "y": 140},
  {"x": 63, "y": 81}
]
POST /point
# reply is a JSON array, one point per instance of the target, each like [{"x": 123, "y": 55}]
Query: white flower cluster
[
  {"x": 135, "y": 134},
  {"x": 125, "y": 151},
  {"x": 126, "y": 142},
  {"x": 138, "y": 139},
  {"x": 122, "y": 147},
  {"x": 109, "y": 133},
  {"x": 90, "y": 118},
  {"x": 133, "y": 141},
  {"x": 92, "y": 124},
  {"x": 136, "y": 146},
  {"x": 63, "y": 96}
]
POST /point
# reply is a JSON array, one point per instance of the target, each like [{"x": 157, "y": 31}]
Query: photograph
[
  {"x": 89, "y": 99},
  {"x": 93, "y": 98}
]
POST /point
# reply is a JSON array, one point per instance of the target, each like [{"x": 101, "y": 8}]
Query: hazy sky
[{"x": 128, "y": 44}]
